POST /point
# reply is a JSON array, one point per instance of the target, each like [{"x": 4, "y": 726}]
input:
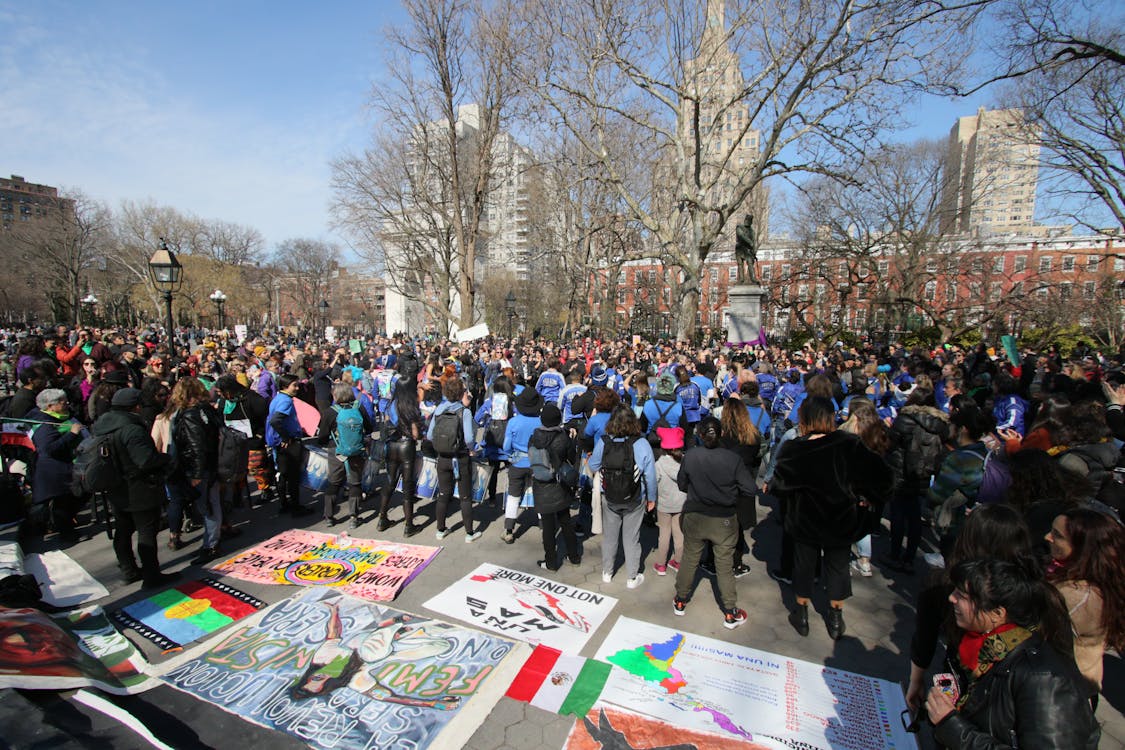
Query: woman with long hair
[
  {"x": 402, "y": 450},
  {"x": 194, "y": 431},
  {"x": 820, "y": 478},
  {"x": 82, "y": 386},
  {"x": 863, "y": 421},
  {"x": 1014, "y": 663},
  {"x": 493, "y": 416},
  {"x": 740, "y": 435},
  {"x": 1088, "y": 558}
]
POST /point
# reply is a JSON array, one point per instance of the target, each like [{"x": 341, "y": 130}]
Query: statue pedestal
[{"x": 744, "y": 313}]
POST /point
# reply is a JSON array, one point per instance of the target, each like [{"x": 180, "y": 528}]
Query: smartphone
[{"x": 947, "y": 683}]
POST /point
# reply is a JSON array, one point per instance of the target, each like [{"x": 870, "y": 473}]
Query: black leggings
[{"x": 401, "y": 455}]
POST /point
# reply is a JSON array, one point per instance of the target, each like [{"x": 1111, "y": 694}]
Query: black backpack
[
  {"x": 449, "y": 434},
  {"x": 661, "y": 421},
  {"x": 234, "y": 455},
  {"x": 621, "y": 479},
  {"x": 94, "y": 468}
]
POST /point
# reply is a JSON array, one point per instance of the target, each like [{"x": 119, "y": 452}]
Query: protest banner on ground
[
  {"x": 187, "y": 612},
  {"x": 712, "y": 686},
  {"x": 606, "y": 728},
  {"x": 65, "y": 651},
  {"x": 365, "y": 568},
  {"x": 337, "y": 672},
  {"x": 525, "y": 606},
  {"x": 63, "y": 582}
]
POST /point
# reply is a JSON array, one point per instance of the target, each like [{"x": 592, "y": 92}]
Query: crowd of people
[{"x": 1014, "y": 465}]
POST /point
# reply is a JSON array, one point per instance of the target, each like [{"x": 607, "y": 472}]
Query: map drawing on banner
[
  {"x": 608, "y": 728},
  {"x": 365, "y": 568},
  {"x": 771, "y": 700},
  {"x": 187, "y": 612},
  {"x": 525, "y": 607},
  {"x": 65, "y": 651},
  {"x": 341, "y": 673}
]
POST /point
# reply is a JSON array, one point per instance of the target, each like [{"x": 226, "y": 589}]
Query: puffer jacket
[
  {"x": 1034, "y": 698},
  {"x": 1095, "y": 461},
  {"x": 919, "y": 434}
]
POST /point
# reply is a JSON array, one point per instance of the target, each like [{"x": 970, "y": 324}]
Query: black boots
[
  {"x": 799, "y": 619},
  {"x": 835, "y": 623}
]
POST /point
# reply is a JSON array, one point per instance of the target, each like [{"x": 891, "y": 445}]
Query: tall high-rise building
[
  {"x": 990, "y": 175},
  {"x": 728, "y": 143},
  {"x": 21, "y": 200}
]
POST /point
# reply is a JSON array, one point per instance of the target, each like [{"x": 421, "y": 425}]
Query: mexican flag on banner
[{"x": 559, "y": 683}]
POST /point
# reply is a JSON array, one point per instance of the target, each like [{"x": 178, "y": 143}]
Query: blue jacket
[
  {"x": 516, "y": 438},
  {"x": 595, "y": 426},
  {"x": 466, "y": 419},
  {"x": 566, "y": 395},
  {"x": 483, "y": 417},
  {"x": 642, "y": 457},
  {"x": 690, "y": 395},
  {"x": 1009, "y": 412},
  {"x": 760, "y": 417},
  {"x": 673, "y": 412},
  {"x": 284, "y": 415},
  {"x": 549, "y": 385}
]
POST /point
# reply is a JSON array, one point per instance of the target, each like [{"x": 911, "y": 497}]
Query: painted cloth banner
[
  {"x": 559, "y": 683},
  {"x": 337, "y": 672},
  {"x": 609, "y": 728},
  {"x": 365, "y": 568},
  {"x": 525, "y": 606},
  {"x": 63, "y": 582},
  {"x": 713, "y": 686},
  {"x": 74, "y": 650},
  {"x": 187, "y": 612}
]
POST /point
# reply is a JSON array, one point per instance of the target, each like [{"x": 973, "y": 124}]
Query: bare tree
[
  {"x": 416, "y": 204},
  {"x": 814, "y": 86},
  {"x": 309, "y": 265}
]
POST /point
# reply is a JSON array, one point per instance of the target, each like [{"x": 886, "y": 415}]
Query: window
[
  {"x": 861, "y": 291},
  {"x": 820, "y": 292},
  {"x": 931, "y": 266},
  {"x": 1045, "y": 264},
  {"x": 1118, "y": 265},
  {"x": 931, "y": 290},
  {"x": 714, "y": 275},
  {"x": 951, "y": 291},
  {"x": 767, "y": 272},
  {"x": 1089, "y": 289},
  {"x": 786, "y": 271},
  {"x": 1066, "y": 290},
  {"x": 977, "y": 265},
  {"x": 860, "y": 317},
  {"x": 1068, "y": 263},
  {"x": 621, "y": 296},
  {"x": 652, "y": 275},
  {"x": 1041, "y": 292},
  {"x": 802, "y": 292},
  {"x": 998, "y": 264},
  {"x": 1092, "y": 263},
  {"x": 1017, "y": 289},
  {"x": 995, "y": 291},
  {"x": 884, "y": 267},
  {"x": 732, "y": 273},
  {"x": 1021, "y": 263}
]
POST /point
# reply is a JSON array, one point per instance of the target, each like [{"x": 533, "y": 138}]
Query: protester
[
  {"x": 553, "y": 495},
  {"x": 669, "y": 501},
  {"x": 452, "y": 445},
  {"x": 283, "y": 436},
  {"x": 343, "y": 430},
  {"x": 55, "y": 439}
]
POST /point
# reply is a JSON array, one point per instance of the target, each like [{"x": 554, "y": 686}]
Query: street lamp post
[
  {"x": 324, "y": 315},
  {"x": 220, "y": 301},
  {"x": 510, "y": 306},
  {"x": 88, "y": 302},
  {"x": 167, "y": 275}
]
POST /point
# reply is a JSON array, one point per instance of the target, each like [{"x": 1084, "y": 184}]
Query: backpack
[
  {"x": 95, "y": 469},
  {"x": 661, "y": 421},
  {"x": 621, "y": 479},
  {"x": 385, "y": 382},
  {"x": 348, "y": 434},
  {"x": 449, "y": 435},
  {"x": 499, "y": 414},
  {"x": 234, "y": 455},
  {"x": 542, "y": 468}
]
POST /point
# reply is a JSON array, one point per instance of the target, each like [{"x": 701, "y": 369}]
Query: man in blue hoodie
[{"x": 520, "y": 428}]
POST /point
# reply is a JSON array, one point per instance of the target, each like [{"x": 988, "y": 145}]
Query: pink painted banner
[{"x": 366, "y": 568}]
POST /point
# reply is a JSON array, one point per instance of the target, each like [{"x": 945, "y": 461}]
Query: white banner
[
  {"x": 708, "y": 685},
  {"x": 472, "y": 333},
  {"x": 525, "y": 607}
]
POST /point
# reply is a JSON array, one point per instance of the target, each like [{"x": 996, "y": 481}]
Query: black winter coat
[
  {"x": 819, "y": 482},
  {"x": 919, "y": 434},
  {"x": 1034, "y": 698},
  {"x": 195, "y": 432},
  {"x": 252, "y": 406},
  {"x": 54, "y": 457},
  {"x": 142, "y": 466},
  {"x": 551, "y": 497}
]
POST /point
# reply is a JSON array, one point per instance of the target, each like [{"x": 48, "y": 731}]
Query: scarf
[{"x": 980, "y": 652}]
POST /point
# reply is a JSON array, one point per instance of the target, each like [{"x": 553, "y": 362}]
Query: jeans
[
  {"x": 445, "y": 490},
  {"x": 863, "y": 547},
  {"x": 721, "y": 532},
  {"x": 340, "y": 474},
  {"x": 622, "y": 525},
  {"x": 206, "y": 501}
]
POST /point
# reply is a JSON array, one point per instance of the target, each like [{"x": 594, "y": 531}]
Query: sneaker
[
  {"x": 410, "y": 530},
  {"x": 575, "y": 560},
  {"x": 470, "y": 538},
  {"x": 863, "y": 567},
  {"x": 635, "y": 581},
  {"x": 382, "y": 524},
  {"x": 543, "y": 564},
  {"x": 508, "y": 537},
  {"x": 934, "y": 559},
  {"x": 607, "y": 577},
  {"x": 732, "y": 618},
  {"x": 442, "y": 533},
  {"x": 740, "y": 570},
  {"x": 780, "y": 577},
  {"x": 206, "y": 555},
  {"x": 678, "y": 606},
  {"x": 674, "y": 565},
  {"x": 661, "y": 570}
]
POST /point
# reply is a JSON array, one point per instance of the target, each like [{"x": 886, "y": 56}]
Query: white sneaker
[
  {"x": 470, "y": 538},
  {"x": 863, "y": 567},
  {"x": 934, "y": 559},
  {"x": 635, "y": 581},
  {"x": 442, "y": 534},
  {"x": 607, "y": 577}
]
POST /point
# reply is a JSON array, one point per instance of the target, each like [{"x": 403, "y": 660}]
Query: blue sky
[{"x": 226, "y": 110}]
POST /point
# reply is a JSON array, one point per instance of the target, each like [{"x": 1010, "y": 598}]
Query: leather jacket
[
  {"x": 1034, "y": 699},
  {"x": 197, "y": 441}
]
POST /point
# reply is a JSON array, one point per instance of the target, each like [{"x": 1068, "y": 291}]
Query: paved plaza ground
[{"x": 879, "y": 620}]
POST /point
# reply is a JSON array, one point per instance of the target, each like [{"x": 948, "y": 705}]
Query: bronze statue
[{"x": 746, "y": 251}]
